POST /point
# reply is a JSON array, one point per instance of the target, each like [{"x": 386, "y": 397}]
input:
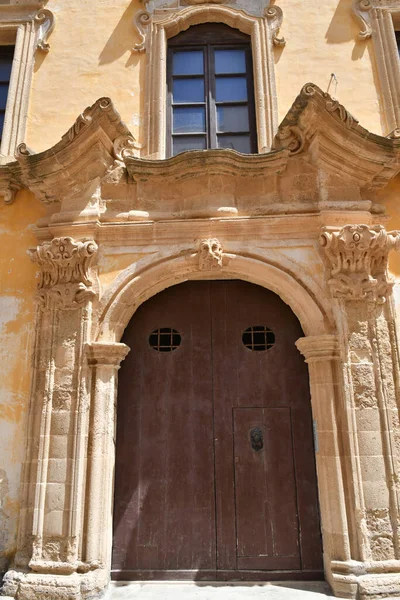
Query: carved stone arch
[
  {"x": 157, "y": 27},
  {"x": 139, "y": 282}
]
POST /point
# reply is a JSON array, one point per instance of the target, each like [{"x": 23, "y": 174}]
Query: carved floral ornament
[
  {"x": 159, "y": 10},
  {"x": 65, "y": 275},
  {"x": 357, "y": 256}
]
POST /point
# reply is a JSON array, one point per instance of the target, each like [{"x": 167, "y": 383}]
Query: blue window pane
[
  {"x": 190, "y": 142},
  {"x": 188, "y": 62},
  {"x": 241, "y": 143},
  {"x": 3, "y": 95},
  {"x": 231, "y": 89},
  {"x": 1, "y": 123},
  {"x": 188, "y": 90},
  {"x": 6, "y": 58},
  {"x": 189, "y": 119},
  {"x": 230, "y": 61},
  {"x": 232, "y": 118}
]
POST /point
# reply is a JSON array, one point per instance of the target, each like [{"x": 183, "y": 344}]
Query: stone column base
[
  {"x": 33, "y": 586},
  {"x": 365, "y": 581}
]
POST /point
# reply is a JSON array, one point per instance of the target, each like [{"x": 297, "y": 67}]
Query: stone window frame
[
  {"x": 159, "y": 22},
  {"x": 27, "y": 27},
  {"x": 378, "y": 20}
]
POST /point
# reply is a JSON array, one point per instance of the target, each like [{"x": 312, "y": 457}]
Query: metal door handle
[{"x": 257, "y": 439}]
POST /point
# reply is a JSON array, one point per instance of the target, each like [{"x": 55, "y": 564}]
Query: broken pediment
[{"x": 323, "y": 160}]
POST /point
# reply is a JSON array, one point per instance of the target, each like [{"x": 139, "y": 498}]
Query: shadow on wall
[
  {"x": 122, "y": 39},
  {"x": 343, "y": 28}
]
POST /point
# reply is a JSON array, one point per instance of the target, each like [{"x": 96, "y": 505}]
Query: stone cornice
[
  {"x": 319, "y": 125},
  {"x": 216, "y": 162},
  {"x": 99, "y": 147},
  {"x": 85, "y": 152}
]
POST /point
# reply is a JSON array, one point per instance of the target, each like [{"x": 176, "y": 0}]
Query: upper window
[
  {"x": 210, "y": 90},
  {"x": 6, "y": 59}
]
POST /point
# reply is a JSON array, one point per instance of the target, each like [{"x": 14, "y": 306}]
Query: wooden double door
[{"x": 215, "y": 471}]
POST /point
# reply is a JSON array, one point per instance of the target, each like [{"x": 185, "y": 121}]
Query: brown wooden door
[{"x": 215, "y": 471}]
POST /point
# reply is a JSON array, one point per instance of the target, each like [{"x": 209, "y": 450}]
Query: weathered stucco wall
[
  {"x": 91, "y": 57},
  {"x": 17, "y": 288}
]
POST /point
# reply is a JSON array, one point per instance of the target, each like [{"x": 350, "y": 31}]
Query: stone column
[
  {"x": 50, "y": 532},
  {"x": 104, "y": 360},
  {"x": 356, "y": 258},
  {"x": 322, "y": 353}
]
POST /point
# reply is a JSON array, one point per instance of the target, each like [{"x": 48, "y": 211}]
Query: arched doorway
[{"x": 215, "y": 471}]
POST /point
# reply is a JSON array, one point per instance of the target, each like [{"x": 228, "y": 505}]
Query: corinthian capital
[
  {"x": 65, "y": 274},
  {"x": 357, "y": 257}
]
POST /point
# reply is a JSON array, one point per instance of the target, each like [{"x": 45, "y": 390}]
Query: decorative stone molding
[
  {"x": 28, "y": 25},
  {"x": 163, "y": 19},
  {"x": 210, "y": 254},
  {"x": 358, "y": 257},
  {"x": 377, "y": 19},
  {"x": 106, "y": 354},
  {"x": 316, "y": 348},
  {"x": 361, "y": 9},
  {"x": 65, "y": 276},
  {"x": 45, "y": 19}
]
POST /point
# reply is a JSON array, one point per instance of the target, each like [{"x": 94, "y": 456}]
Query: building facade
[{"x": 200, "y": 294}]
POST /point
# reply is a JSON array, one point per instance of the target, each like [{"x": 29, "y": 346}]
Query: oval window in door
[
  {"x": 165, "y": 339},
  {"x": 258, "y": 338}
]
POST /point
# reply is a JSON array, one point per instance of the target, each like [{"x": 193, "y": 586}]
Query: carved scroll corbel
[
  {"x": 275, "y": 15},
  {"x": 45, "y": 20},
  {"x": 141, "y": 21},
  {"x": 361, "y": 9},
  {"x": 11, "y": 192},
  {"x": 291, "y": 138},
  {"x": 125, "y": 147}
]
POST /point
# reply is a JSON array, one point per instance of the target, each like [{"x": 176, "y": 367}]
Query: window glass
[
  {"x": 188, "y": 63},
  {"x": 190, "y": 119},
  {"x": 188, "y": 142},
  {"x": 6, "y": 58},
  {"x": 231, "y": 89},
  {"x": 232, "y": 118},
  {"x": 240, "y": 143},
  {"x": 230, "y": 61},
  {"x": 188, "y": 90},
  {"x": 210, "y": 90}
]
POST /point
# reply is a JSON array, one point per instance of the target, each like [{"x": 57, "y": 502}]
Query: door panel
[
  {"x": 266, "y": 506},
  {"x": 164, "y": 516},
  {"x": 193, "y": 499}
]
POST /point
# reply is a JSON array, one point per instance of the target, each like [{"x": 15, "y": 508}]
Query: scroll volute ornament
[
  {"x": 357, "y": 256},
  {"x": 66, "y": 279}
]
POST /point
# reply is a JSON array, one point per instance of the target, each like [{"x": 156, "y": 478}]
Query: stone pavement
[{"x": 199, "y": 591}]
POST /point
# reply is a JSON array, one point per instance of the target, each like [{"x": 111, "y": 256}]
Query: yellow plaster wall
[
  {"x": 90, "y": 57},
  {"x": 17, "y": 287}
]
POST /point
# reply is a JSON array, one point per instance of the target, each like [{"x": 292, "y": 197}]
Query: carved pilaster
[
  {"x": 357, "y": 271},
  {"x": 66, "y": 279},
  {"x": 357, "y": 257}
]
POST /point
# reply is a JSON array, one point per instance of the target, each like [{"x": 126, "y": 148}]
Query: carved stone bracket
[
  {"x": 361, "y": 9},
  {"x": 45, "y": 21},
  {"x": 158, "y": 9},
  {"x": 65, "y": 276},
  {"x": 357, "y": 256}
]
